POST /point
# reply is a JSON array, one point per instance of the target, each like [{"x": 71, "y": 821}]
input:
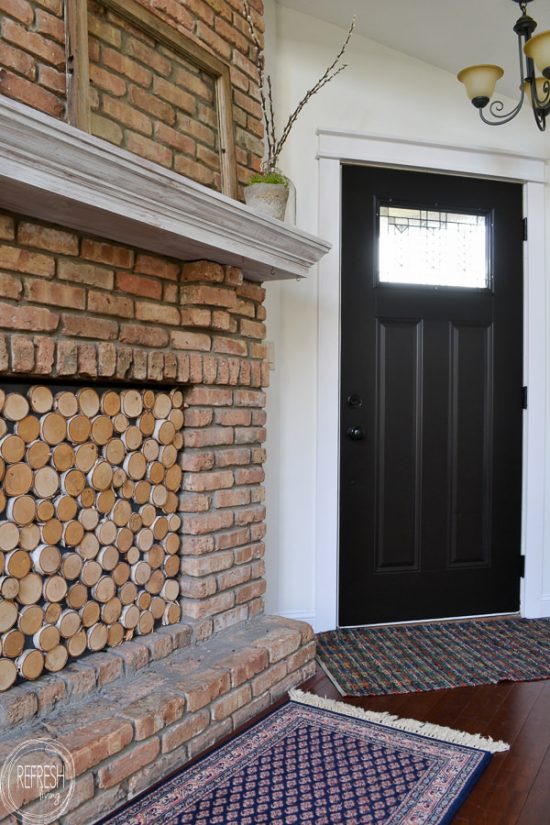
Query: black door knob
[{"x": 355, "y": 433}]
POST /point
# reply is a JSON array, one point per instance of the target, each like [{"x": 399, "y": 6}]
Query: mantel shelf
[{"x": 52, "y": 171}]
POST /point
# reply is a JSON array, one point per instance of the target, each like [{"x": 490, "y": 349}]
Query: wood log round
[
  {"x": 29, "y": 537},
  {"x": 53, "y": 428},
  {"x": 63, "y": 457},
  {"x": 69, "y": 623},
  {"x": 135, "y": 466},
  {"x": 2, "y": 468},
  {"x": 162, "y": 406},
  {"x": 77, "y": 595},
  {"x": 73, "y": 533},
  {"x": 30, "y": 664},
  {"x": 104, "y": 590},
  {"x": 12, "y": 643},
  {"x": 9, "y": 587},
  {"x": 129, "y": 617},
  {"x": 102, "y": 430},
  {"x": 148, "y": 397},
  {"x": 172, "y": 614},
  {"x": 100, "y": 476},
  {"x": 97, "y": 636},
  {"x": 89, "y": 546},
  {"x": 110, "y": 403},
  {"x": 115, "y": 634},
  {"x": 178, "y": 440},
  {"x": 120, "y": 423},
  {"x": 159, "y": 495},
  {"x": 51, "y": 531},
  {"x": 160, "y": 528},
  {"x": 46, "y": 482},
  {"x": 30, "y": 589},
  {"x": 142, "y": 492},
  {"x": 106, "y": 532},
  {"x": 141, "y": 572},
  {"x": 46, "y": 559},
  {"x": 143, "y": 600},
  {"x": 71, "y": 565},
  {"x": 132, "y": 438},
  {"x": 170, "y": 590},
  {"x": 52, "y": 612},
  {"x": 2, "y": 399},
  {"x": 73, "y": 482},
  {"x": 176, "y": 397},
  {"x": 133, "y": 555},
  {"x": 168, "y": 456},
  {"x": 88, "y": 402},
  {"x": 115, "y": 451},
  {"x": 146, "y": 623},
  {"x": 171, "y": 543},
  {"x": 177, "y": 419},
  {"x": 66, "y": 509},
  {"x": 38, "y": 454},
  {"x": 85, "y": 456},
  {"x": 40, "y": 398},
  {"x": 145, "y": 539},
  {"x": 146, "y": 423},
  {"x": 124, "y": 539},
  {"x": 76, "y": 645},
  {"x": 155, "y": 472},
  {"x": 12, "y": 448},
  {"x": 66, "y": 404},
  {"x": 111, "y": 610},
  {"x": 119, "y": 477},
  {"x": 89, "y": 613},
  {"x": 121, "y": 573},
  {"x": 18, "y": 479},
  {"x": 128, "y": 489},
  {"x": 148, "y": 514},
  {"x": 54, "y": 589},
  {"x": 30, "y": 619},
  {"x": 21, "y": 510},
  {"x": 155, "y": 556},
  {"x": 28, "y": 429},
  {"x": 135, "y": 522},
  {"x": 89, "y": 518},
  {"x": 157, "y": 607},
  {"x": 171, "y": 566},
  {"x": 150, "y": 449},
  {"x": 44, "y": 510},
  {"x": 46, "y": 637},
  {"x": 131, "y": 403},
  {"x": 121, "y": 512},
  {"x": 17, "y": 563},
  {"x": 171, "y": 504},
  {"x": 16, "y": 407},
  {"x": 3, "y": 427},
  {"x": 8, "y": 674},
  {"x": 128, "y": 594},
  {"x": 105, "y": 501},
  {"x": 164, "y": 432},
  {"x": 173, "y": 478},
  {"x": 8, "y": 614},
  {"x": 56, "y": 659},
  {"x": 91, "y": 573},
  {"x": 87, "y": 497},
  {"x": 155, "y": 582},
  {"x": 79, "y": 428}
]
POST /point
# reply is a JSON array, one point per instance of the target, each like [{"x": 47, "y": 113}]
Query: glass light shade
[
  {"x": 541, "y": 94},
  {"x": 480, "y": 81},
  {"x": 538, "y": 49}
]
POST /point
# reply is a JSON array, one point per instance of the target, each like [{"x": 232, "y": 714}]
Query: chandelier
[{"x": 534, "y": 51}]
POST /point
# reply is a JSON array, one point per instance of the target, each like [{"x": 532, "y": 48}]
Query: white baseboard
[{"x": 298, "y": 615}]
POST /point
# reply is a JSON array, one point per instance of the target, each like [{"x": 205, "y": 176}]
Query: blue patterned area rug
[{"x": 324, "y": 763}]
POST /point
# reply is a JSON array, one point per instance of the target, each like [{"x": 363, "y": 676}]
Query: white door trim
[{"x": 334, "y": 148}]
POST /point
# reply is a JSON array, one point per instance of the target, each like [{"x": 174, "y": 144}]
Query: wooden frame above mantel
[{"x": 78, "y": 72}]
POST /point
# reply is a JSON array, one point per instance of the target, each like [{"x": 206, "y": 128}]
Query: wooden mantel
[{"x": 52, "y": 171}]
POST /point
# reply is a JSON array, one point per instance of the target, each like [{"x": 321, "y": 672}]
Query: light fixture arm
[{"x": 497, "y": 106}]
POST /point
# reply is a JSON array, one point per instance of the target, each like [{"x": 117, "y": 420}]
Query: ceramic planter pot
[{"x": 267, "y": 199}]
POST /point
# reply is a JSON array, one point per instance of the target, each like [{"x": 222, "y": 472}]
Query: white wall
[{"x": 383, "y": 92}]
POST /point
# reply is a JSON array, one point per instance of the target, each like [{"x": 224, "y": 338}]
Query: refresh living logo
[{"x": 38, "y": 772}]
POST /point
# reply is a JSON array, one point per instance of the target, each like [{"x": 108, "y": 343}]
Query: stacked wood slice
[{"x": 89, "y": 530}]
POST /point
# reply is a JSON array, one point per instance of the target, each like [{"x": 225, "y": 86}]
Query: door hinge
[
  {"x": 522, "y": 567},
  {"x": 524, "y": 222},
  {"x": 524, "y": 398}
]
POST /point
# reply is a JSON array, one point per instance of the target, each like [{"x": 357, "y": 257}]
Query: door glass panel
[{"x": 433, "y": 248}]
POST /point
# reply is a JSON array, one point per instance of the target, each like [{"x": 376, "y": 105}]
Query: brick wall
[
  {"x": 32, "y": 70},
  {"x": 77, "y": 307}
]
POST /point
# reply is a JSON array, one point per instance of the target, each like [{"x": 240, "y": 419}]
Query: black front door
[{"x": 431, "y": 396}]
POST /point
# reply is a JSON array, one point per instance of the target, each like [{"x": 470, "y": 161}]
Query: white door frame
[{"x": 334, "y": 148}]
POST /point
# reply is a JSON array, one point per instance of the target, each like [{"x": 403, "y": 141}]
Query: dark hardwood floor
[{"x": 515, "y": 788}]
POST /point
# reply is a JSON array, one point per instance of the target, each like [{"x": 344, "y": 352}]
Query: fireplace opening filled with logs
[{"x": 89, "y": 528}]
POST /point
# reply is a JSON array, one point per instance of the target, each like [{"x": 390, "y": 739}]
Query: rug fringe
[{"x": 442, "y": 734}]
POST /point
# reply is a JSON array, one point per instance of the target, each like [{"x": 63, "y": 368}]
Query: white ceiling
[{"x": 449, "y": 34}]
